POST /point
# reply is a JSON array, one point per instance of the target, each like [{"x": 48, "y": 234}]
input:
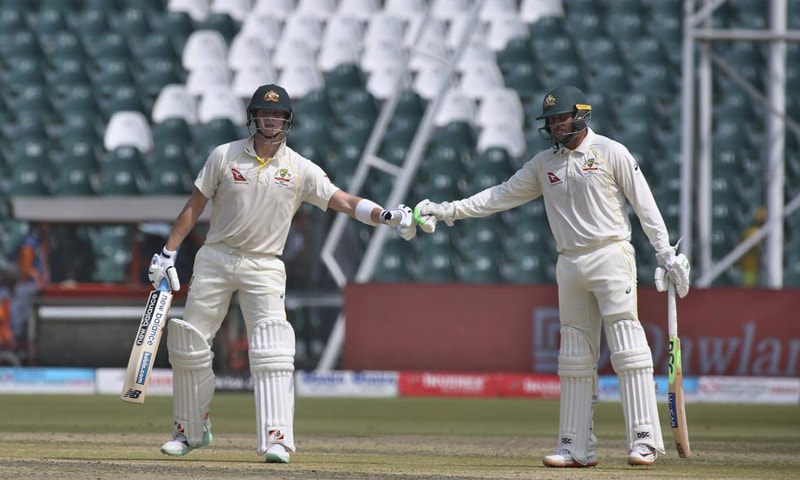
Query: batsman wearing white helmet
[
  {"x": 255, "y": 185},
  {"x": 586, "y": 180}
]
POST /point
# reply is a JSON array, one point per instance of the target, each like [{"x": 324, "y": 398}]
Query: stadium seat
[
  {"x": 75, "y": 127},
  {"x": 127, "y": 128},
  {"x": 586, "y": 28},
  {"x": 237, "y": 9},
  {"x": 479, "y": 78},
  {"x": 482, "y": 269},
  {"x": 394, "y": 262},
  {"x": 428, "y": 81},
  {"x": 247, "y": 79},
  {"x": 113, "y": 246},
  {"x": 207, "y": 77},
  {"x": 178, "y": 25},
  {"x": 197, "y": 9},
  {"x": 301, "y": 80},
  {"x": 119, "y": 181},
  {"x": 364, "y": 10},
  {"x": 344, "y": 29},
  {"x": 27, "y": 180},
  {"x": 264, "y": 26},
  {"x": 456, "y": 106},
  {"x": 247, "y": 50},
  {"x": 156, "y": 75},
  {"x": 547, "y": 26},
  {"x": 532, "y": 10},
  {"x": 436, "y": 267},
  {"x": 67, "y": 72},
  {"x": 625, "y": 26},
  {"x": 383, "y": 82},
  {"x": 132, "y": 23},
  {"x": 526, "y": 269},
  {"x": 221, "y": 102},
  {"x": 168, "y": 180},
  {"x": 493, "y": 161},
  {"x": 24, "y": 72},
  {"x": 204, "y": 47},
  {"x": 505, "y": 135},
  {"x": 73, "y": 181},
  {"x": 122, "y": 98},
  {"x": 503, "y": 29},
  {"x": 175, "y": 101},
  {"x": 219, "y": 22},
  {"x": 208, "y": 136},
  {"x": 341, "y": 80}
]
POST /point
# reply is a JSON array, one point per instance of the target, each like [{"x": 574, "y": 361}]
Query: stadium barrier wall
[
  {"x": 392, "y": 384},
  {"x": 510, "y": 328}
]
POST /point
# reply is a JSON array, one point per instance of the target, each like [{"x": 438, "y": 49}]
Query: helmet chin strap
[{"x": 270, "y": 138}]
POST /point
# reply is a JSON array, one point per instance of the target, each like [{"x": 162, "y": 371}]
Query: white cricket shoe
[
  {"x": 178, "y": 446},
  {"x": 642, "y": 455},
  {"x": 563, "y": 459},
  {"x": 277, "y": 453}
]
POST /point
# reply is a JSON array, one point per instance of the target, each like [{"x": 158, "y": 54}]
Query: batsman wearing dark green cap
[
  {"x": 255, "y": 185},
  {"x": 587, "y": 180}
]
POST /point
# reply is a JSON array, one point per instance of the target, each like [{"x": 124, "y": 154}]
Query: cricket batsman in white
[
  {"x": 586, "y": 180},
  {"x": 255, "y": 185}
]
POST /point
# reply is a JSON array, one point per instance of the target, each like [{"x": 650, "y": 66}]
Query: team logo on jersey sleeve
[{"x": 237, "y": 176}]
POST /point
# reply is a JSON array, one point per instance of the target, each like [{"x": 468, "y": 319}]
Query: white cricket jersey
[
  {"x": 584, "y": 195},
  {"x": 253, "y": 203}
]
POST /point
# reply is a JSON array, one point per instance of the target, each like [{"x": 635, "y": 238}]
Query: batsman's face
[
  {"x": 271, "y": 122},
  {"x": 560, "y": 126}
]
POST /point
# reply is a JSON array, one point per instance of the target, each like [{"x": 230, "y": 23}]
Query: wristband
[{"x": 364, "y": 210}]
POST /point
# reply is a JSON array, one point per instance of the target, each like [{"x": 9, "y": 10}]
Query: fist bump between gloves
[
  {"x": 402, "y": 218},
  {"x": 162, "y": 266},
  {"x": 431, "y": 213},
  {"x": 675, "y": 269}
]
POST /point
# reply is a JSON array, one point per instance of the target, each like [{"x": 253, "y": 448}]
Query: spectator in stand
[{"x": 32, "y": 258}]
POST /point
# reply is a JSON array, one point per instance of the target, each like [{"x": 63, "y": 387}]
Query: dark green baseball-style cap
[{"x": 270, "y": 97}]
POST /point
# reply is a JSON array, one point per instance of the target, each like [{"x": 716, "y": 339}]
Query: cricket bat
[
  {"x": 145, "y": 344},
  {"x": 677, "y": 410}
]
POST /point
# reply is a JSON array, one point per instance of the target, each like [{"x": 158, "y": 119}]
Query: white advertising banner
[
  {"x": 110, "y": 380},
  {"x": 752, "y": 390},
  {"x": 346, "y": 383}
]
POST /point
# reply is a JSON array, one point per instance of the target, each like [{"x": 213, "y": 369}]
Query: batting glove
[
  {"x": 675, "y": 269},
  {"x": 402, "y": 218},
  {"x": 162, "y": 266},
  {"x": 445, "y": 211}
]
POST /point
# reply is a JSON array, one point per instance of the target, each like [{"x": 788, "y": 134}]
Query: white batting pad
[
  {"x": 192, "y": 377},
  {"x": 272, "y": 366},
  {"x": 577, "y": 372},
  {"x": 633, "y": 362}
]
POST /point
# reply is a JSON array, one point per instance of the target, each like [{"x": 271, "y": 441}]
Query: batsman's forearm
[{"x": 186, "y": 220}]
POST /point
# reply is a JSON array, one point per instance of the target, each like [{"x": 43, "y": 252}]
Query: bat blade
[
  {"x": 677, "y": 409},
  {"x": 145, "y": 346}
]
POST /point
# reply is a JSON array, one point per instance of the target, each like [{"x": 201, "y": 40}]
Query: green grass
[{"x": 83, "y": 437}]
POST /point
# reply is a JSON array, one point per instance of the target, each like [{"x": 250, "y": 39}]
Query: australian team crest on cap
[
  {"x": 272, "y": 96},
  {"x": 549, "y": 101}
]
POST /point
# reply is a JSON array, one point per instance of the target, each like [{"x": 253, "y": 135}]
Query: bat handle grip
[
  {"x": 672, "y": 311},
  {"x": 163, "y": 285}
]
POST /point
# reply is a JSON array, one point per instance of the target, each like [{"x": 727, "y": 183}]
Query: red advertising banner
[
  {"x": 436, "y": 384},
  {"x": 515, "y": 329}
]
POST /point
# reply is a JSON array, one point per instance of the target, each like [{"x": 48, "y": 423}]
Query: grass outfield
[{"x": 100, "y": 437}]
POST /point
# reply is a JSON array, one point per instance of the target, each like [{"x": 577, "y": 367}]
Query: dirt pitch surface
[{"x": 96, "y": 437}]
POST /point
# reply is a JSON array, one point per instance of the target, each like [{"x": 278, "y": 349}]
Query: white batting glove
[
  {"x": 673, "y": 269},
  {"x": 162, "y": 265},
  {"x": 445, "y": 211},
  {"x": 402, "y": 218}
]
